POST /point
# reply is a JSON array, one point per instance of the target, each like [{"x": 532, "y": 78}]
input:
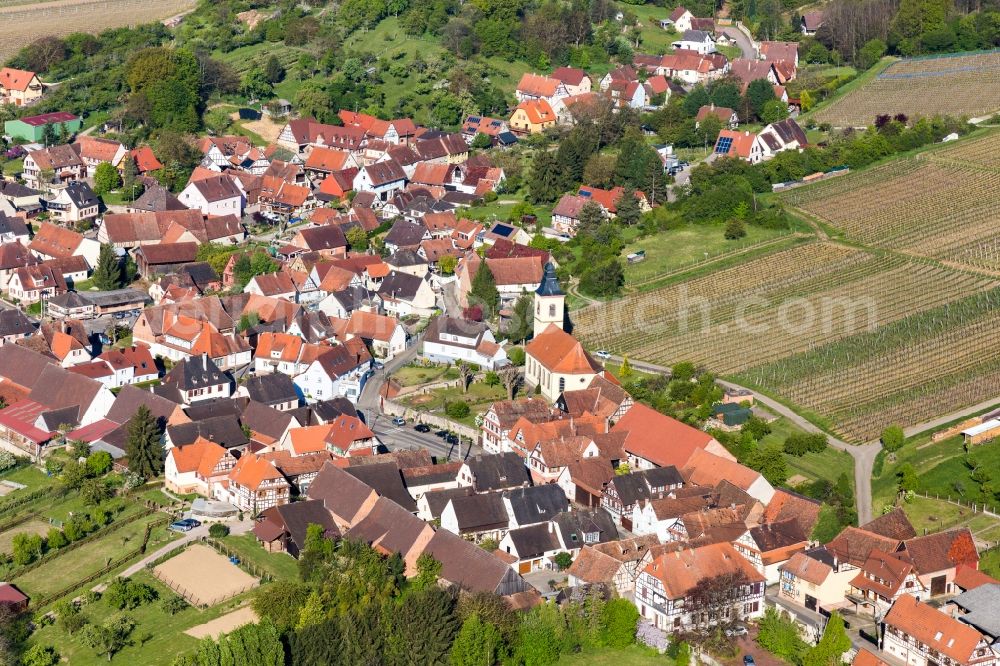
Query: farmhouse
[{"x": 19, "y": 87}]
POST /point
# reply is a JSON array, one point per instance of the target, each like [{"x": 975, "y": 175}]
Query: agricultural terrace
[
  {"x": 942, "y": 204},
  {"x": 772, "y": 306},
  {"x": 23, "y": 22},
  {"x": 955, "y": 85}
]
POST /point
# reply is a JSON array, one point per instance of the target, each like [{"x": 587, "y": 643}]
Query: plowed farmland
[
  {"x": 23, "y": 22},
  {"x": 900, "y": 326},
  {"x": 956, "y": 85}
]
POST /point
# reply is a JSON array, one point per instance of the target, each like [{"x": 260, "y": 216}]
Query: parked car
[
  {"x": 748, "y": 660},
  {"x": 602, "y": 354},
  {"x": 736, "y": 631},
  {"x": 441, "y": 433},
  {"x": 422, "y": 427},
  {"x": 185, "y": 525},
  {"x": 398, "y": 421},
  {"x": 451, "y": 438}
]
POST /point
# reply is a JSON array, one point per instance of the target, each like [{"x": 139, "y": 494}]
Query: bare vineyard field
[
  {"x": 958, "y": 85},
  {"x": 942, "y": 204},
  {"x": 23, "y": 22},
  {"x": 773, "y": 307}
]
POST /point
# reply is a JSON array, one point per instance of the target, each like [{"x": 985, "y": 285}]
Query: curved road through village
[{"x": 863, "y": 454}]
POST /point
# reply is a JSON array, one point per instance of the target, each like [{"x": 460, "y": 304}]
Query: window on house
[{"x": 562, "y": 384}]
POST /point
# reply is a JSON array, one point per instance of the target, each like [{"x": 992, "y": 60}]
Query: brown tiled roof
[
  {"x": 660, "y": 438},
  {"x": 886, "y": 574},
  {"x": 968, "y": 577},
  {"x": 933, "y": 628},
  {"x": 218, "y": 188},
  {"x": 682, "y": 571},
  {"x": 55, "y": 241},
  {"x": 389, "y": 528},
  {"x": 941, "y": 551},
  {"x": 894, "y": 525},
  {"x": 807, "y": 568},
  {"x": 785, "y": 505},
  {"x": 465, "y": 564},
  {"x": 95, "y": 148},
  {"x": 853, "y": 545},
  {"x": 170, "y": 253},
  {"x": 558, "y": 351}
]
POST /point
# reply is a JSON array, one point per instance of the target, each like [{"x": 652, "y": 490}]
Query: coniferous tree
[
  {"x": 424, "y": 626},
  {"x": 108, "y": 273},
  {"x": 627, "y": 206},
  {"x": 476, "y": 644},
  {"x": 545, "y": 180},
  {"x": 484, "y": 290},
  {"x": 523, "y": 321},
  {"x": 317, "y": 645},
  {"x": 143, "y": 446}
]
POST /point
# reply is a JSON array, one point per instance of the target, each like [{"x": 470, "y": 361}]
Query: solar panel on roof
[
  {"x": 503, "y": 230},
  {"x": 474, "y": 119},
  {"x": 724, "y": 144},
  {"x": 585, "y": 193}
]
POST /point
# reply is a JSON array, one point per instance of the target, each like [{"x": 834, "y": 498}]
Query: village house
[
  {"x": 726, "y": 116},
  {"x": 664, "y": 588},
  {"x": 73, "y": 203},
  {"x": 921, "y": 635},
  {"x": 197, "y": 468},
  {"x": 537, "y": 87},
  {"x": 253, "y": 485},
  {"x": 384, "y": 179},
  {"x": 198, "y": 378},
  {"x": 384, "y": 335},
  {"x": 215, "y": 195},
  {"x": 680, "y": 19},
  {"x": 403, "y": 295},
  {"x": 576, "y": 81},
  {"x": 811, "y": 22},
  {"x": 487, "y": 473},
  {"x": 19, "y": 87},
  {"x": 504, "y": 414},
  {"x": 35, "y": 283},
  {"x": 698, "y": 41},
  {"x": 533, "y": 116},
  {"x": 451, "y": 340},
  {"x": 814, "y": 579},
  {"x": 338, "y": 371},
  {"x": 51, "y": 166},
  {"x": 95, "y": 151},
  {"x": 615, "y": 564}
]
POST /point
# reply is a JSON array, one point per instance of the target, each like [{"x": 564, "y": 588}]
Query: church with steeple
[
  {"x": 550, "y": 302},
  {"x": 555, "y": 361}
]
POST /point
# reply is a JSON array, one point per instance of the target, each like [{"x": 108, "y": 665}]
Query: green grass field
[
  {"x": 677, "y": 248},
  {"x": 165, "y": 632},
  {"x": 89, "y": 558},
  {"x": 653, "y": 38},
  {"x": 415, "y": 375},
  {"x": 989, "y": 562},
  {"x": 279, "y": 565},
  {"x": 634, "y": 655},
  {"x": 828, "y": 464}
]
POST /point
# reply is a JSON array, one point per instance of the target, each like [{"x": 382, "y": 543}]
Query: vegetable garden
[{"x": 956, "y": 85}]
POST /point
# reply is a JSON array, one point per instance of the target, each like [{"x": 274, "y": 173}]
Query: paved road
[
  {"x": 748, "y": 48},
  {"x": 197, "y": 533},
  {"x": 405, "y": 437}
]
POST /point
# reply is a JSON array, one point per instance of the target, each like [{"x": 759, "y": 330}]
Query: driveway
[
  {"x": 747, "y": 46},
  {"x": 241, "y": 527}
]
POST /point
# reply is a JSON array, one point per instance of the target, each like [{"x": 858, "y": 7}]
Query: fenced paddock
[{"x": 204, "y": 577}]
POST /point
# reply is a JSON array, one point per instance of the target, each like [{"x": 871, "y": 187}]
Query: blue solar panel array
[{"x": 724, "y": 144}]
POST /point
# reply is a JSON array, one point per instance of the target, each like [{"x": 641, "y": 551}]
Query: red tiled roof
[
  {"x": 659, "y": 438},
  {"x": 933, "y": 628},
  {"x": 15, "y": 79}
]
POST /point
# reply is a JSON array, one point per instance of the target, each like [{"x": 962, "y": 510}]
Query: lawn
[
  {"x": 279, "y": 565},
  {"x": 653, "y": 38},
  {"x": 164, "y": 633},
  {"x": 33, "y": 526},
  {"x": 479, "y": 397},
  {"x": 89, "y": 558},
  {"x": 828, "y": 464},
  {"x": 677, "y": 248},
  {"x": 989, "y": 562},
  {"x": 414, "y": 375},
  {"x": 497, "y": 211},
  {"x": 157, "y": 497},
  {"x": 29, "y": 475},
  {"x": 634, "y": 655},
  {"x": 941, "y": 469}
]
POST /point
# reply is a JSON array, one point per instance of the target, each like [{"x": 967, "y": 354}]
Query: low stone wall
[{"x": 397, "y": 409}]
